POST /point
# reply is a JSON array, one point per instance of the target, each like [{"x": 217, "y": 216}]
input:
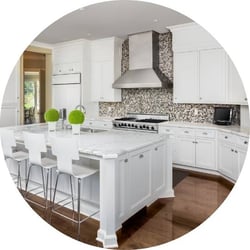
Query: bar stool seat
[
  {"x": 9, "y": 147},
  {"x": 66, "y": 150}
]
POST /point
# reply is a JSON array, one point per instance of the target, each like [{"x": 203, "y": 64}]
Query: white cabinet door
[
  {"x": 205, "y": 154},
  {"x": 105, "y": 68},
  {"x": 157, "y": 169},
  {"x": 96, "y": 81},
  {"x": 212, "y": 76},
  {"x": 241, "y": 155},
  {"x": 186, "y": 82},
  {"x": 139, "y": 171},
  {"x": 185, "y": 151},
  {"x": 236, "y": 91},
  {"x": 226, "y": 161}
]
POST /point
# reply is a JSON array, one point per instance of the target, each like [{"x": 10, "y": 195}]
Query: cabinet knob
[
  {"x": 232, "y": 150},
  {"x": 225, "y": 137},
  {"x": 141, "y": 156},
  {"x": 236, "y": 151},
  {"x": 245, "y": 99},
  {"x": 200, "y": 98},
  {"x": 204, "y": 133},
  {"x": 186, "y": 132},
  {"x": 126, "y": 160},
  {"x": 245, "y": 142},
  {"x": 156, "y": 149}
]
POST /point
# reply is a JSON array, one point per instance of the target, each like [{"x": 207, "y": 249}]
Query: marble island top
[{"x": 106, "y": 144}]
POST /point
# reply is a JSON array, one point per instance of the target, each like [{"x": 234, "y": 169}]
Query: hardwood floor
[{"x": 197, "y": 197}]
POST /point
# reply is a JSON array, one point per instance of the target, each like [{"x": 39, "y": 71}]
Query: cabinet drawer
[
  {"x": 166, "y": 130},
  {"x": 242, "y": 141},
  {"x": 185, "y": 132},
  {"x": 205, "y": 133},
  {"x": 227, "y": 137}
]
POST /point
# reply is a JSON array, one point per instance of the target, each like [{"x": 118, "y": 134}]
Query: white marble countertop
[
  {"x": 230, "y": 129},
  {"x": 107, "y": 144}
]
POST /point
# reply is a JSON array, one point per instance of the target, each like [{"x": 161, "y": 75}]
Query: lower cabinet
[
  {"x": 141, "y": 179},
  {"x": 231, "y": 153},
  {"x": 195, "y": 151}
]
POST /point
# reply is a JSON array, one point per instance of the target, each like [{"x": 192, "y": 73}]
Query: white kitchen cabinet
[
  {"x": 185, "y": 151},
  {"x": 212, "y": 76},
  {"x": 199, "y": 76},
  {"x": 157, "y": 169},
  {"x": 105, "y": 69},
  {"x": 194, "y": 147},
  {"x": 232, "y": 151},
  {"x": 236, "y": 91},
  {"x": 147, "y": 167},
  {"x": 203, "y": 72},
  {"x": 186, "y": 77},
  {"x": 99, "y": 124},
  {"x": 205, "y": 153},
  {"x": 68, "y": 57},
  {"x": 139, "y": 172}
]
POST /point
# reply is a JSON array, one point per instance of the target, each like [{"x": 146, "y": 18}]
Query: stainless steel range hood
[{"x": 144, "y": 71}]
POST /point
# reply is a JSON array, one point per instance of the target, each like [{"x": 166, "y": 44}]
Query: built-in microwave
[{"x": 223, "y": 115}]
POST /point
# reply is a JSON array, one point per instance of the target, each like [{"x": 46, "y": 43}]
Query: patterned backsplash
[{"x": 159, "y": 100}]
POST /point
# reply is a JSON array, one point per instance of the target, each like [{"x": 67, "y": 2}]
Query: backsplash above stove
[{"x": 159, "y": 100}]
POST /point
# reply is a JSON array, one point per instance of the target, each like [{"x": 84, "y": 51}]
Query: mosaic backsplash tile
[{"x": 159, "y": 100}]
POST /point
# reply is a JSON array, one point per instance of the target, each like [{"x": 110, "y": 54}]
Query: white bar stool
[
  {"x": 36, "y": 145},
  {"x": 66, "y": 150},
  {"x": 10, "y": 152}
]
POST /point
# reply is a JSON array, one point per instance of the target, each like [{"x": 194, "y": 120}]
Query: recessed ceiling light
[
  {"x": 82, "y": 8},
  {"x": 155, "y": 20},
  {"x": 88, "y": 34}
]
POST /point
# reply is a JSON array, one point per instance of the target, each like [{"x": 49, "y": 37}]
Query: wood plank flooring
[{"x": 197, "y": 197}]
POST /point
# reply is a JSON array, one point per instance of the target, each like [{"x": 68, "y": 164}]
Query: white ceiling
[{"x": 114, "y": 18}]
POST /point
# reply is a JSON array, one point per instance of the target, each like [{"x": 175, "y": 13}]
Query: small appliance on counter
[{"x": 223, "y": 115}]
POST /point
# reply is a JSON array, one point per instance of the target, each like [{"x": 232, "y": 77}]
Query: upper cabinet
[
  {"x": 212, "y": 76},
  {"x": 68, "y": 57},
  {"x": 105, "y": 69},
  {"x": 236, "y": 91},
  {"x": 203, "y": 73}
]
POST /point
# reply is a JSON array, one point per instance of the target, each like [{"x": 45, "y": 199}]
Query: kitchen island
[{"x": 135, "y": 169}]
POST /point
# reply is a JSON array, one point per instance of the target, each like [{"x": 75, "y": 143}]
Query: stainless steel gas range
[{"x": 140, "y": 122}]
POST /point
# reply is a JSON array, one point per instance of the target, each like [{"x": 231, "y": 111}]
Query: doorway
[{"x": 34, "y": 87}]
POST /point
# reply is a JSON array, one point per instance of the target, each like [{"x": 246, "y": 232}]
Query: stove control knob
[
  {"x": 141, "y": 127},
  {"x": 125, "y": 124},
  {"x": 152, "y": 128},
  {"x": 144, "y": 126},
  {"x": 147, "y": 127},
  {"x": 115, "y": 125},
  {"x": 129, "y": 125},
  {"x": 132, "y": 125},
  {"x": 136, "y": 126}
]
